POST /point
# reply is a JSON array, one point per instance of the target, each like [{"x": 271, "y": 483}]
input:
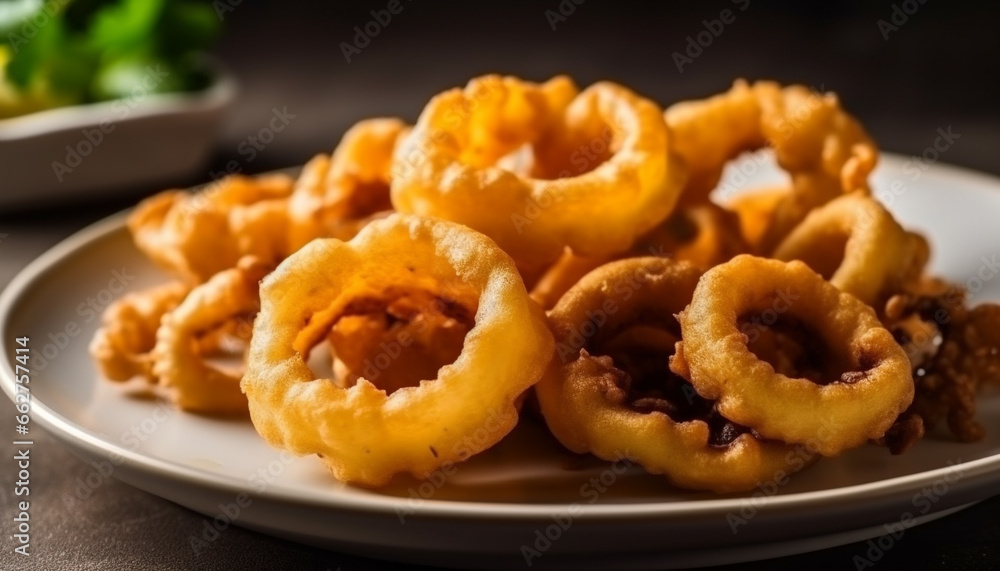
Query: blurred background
[{"x": 939, "y": 68}]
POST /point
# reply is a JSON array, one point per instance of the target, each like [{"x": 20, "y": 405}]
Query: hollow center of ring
[
  {"x": 678, "y": 231},
  {"x": 224, "y": 347},
  {"x": 641, "y": 354},
  {"x": 795, "y": 349},
  {"x": 564, "y": 151},
  {"x": 399, "y": 339}
]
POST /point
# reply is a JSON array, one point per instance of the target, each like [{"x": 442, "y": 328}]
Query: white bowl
[{"x": 104, "y": 147}]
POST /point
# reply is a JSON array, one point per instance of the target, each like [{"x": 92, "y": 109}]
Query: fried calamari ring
[
  {"x": 866, "y": 383},
  {"x": 702, "y": 234},
  {"x": 626, "y": 308},
  {"x": 825, "y": 150},
  {"x": 121, "y": 347},
  {"x": 194, "y": 385},
  {"x": 602, "y": 154},
  {"x": 335, "y": 196},
  {"x": 363, "y": 434},
  {"x": 856, "y": 244},
  {"x": 193, "y": 236}
]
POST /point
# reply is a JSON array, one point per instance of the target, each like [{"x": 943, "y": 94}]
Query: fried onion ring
[
  {"x": 237, "y": 215},
  {"x": 535, "y": 166},
  {"x": 363, "y": 434},
  {"x": 561, "y": 276},
  {"x": 626, "y": 308},
  {"x": 121, "y": 347},
  {"x": 870, "y": 383},
  {"x": 824, "y": 149},
  {"x": 703, "y": 234},
  {"x": 195, "y": 385},
  {"x": 335, "y": 196},
  {"x": 754, "y": 211},
  {"x": 855, "y": 243}
]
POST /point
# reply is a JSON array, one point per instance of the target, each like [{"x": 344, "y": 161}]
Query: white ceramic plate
[
  {"x": 104, "y": 147},
  {"x": 500, "y": 505}
]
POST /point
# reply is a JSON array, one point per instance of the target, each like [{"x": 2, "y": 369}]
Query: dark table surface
[{"x": 937, "y": 70}]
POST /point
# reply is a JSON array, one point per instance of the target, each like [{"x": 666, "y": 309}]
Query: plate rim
[{"x": 78, "y": 437}]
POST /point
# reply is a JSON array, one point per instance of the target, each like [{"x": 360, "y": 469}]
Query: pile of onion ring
[
  {"x": 391, "y": 307},
  {"x": 218, "y": 243}
]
